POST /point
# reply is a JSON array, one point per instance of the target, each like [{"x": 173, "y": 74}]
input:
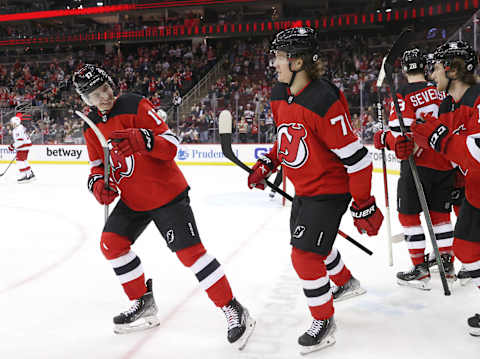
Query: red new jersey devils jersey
[
  {"x": 146, "y": 180},
  {"x": 316, "y": 144},
  {"x": 414, "y": 99},
  {"x": 463, "y": 117}
]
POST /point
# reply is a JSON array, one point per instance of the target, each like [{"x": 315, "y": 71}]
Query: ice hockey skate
[
  {"x": 447, "y": 261},
  {"x": 240, "y": 324},
  {"x": 29, "y": 177},
  {"x": 474, "y": 325},
  {"x": 319, "y": 336},
  {"x": 142, "y": 314},
  {"x": 348, "y": 290},
  {"x": 417, "y": 277},
  {"x": 463, "y": 276}
]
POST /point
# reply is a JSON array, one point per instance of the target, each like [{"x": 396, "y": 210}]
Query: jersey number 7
[{"x": 343, "y": 119}]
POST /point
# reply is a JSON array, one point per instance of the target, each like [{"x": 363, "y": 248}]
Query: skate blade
[
  {"x": 464, "y": 281},
  {"x": 141, "y": 324},
  {"x": 328, "y": 341},
  {"x": 354, "y": 293},
  {"x": 474, "y": 332},
  {"x": 422, "y": 285},
  {"x": 242, "y": 341}
]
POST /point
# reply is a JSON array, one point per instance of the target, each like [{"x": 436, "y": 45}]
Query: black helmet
[
  {"x": 413, "y": 61},
  {"x": 430, "y": 63},
  {"x": 450, "y": 50},
  {"x": 296, "y": 41},
  {"x": 89, "y": 78}
]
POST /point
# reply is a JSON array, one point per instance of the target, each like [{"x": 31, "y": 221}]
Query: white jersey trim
[
  {"x": 473, "y": 147},
  {"x": 348, "y": 150},
  {"x": 170, "y": 137},
  {"x": 360, "y": 165}
]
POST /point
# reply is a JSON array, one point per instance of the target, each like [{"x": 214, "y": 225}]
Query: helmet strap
[
  {"x": 294, "y": 73},
  {"x": 448, "y": 68},
  {"x": 448, "y": 84}
]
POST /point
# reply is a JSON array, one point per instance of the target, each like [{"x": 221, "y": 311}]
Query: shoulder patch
[
  {"x": 94, "y": 116},
  {"x": 279, "y": 92},
  {"x": 446, "y": 105},
  {"x": 471, "y": 96},
  {"x": 412, "y": 87},
  {"x": 126, "y": 104},
  {"x": 319, "y": 96}
]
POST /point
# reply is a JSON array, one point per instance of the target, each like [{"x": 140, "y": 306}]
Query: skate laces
[
  {"x": 317, "y": 325},
  {"x": 232, "y": 316},
  {"x": 133, "y": 308}
]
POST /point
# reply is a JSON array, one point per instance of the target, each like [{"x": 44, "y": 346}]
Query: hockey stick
[
  {"x": 381, "y": 76},
  {"x": 397, "y": 238},
  {"x": 397, "y": 49},
  {"x": 106, "y": 152},
  {"x": 6, "y": 169},
  {"x": 225, "y": 131}
]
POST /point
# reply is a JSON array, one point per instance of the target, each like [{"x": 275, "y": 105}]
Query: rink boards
[{"x": 188, "y": 154}]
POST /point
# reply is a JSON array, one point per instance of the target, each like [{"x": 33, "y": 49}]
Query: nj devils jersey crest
[
  {"x": 292, "y": 148},
  {"x": 121, "y": 166}
]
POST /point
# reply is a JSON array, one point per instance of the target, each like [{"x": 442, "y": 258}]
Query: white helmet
[
  {"x": 15, "y": 121},
  {"x": 162, "y": 114}
]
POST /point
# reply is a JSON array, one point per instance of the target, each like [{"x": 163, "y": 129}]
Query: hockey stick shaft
[
  {"x": 228, "y": 152},
  {"x": 6, "y": 169},
  {"x": 416, "y": 177},
  {"x": 359, "y": 245},
  {"x": 385, "y": 183},
  {"x": 106, "y": 153},
  {"x": 226, "y": 142}
]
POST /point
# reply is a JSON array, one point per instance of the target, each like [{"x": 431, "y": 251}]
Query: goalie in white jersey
[{"x": 21, "y": 143}]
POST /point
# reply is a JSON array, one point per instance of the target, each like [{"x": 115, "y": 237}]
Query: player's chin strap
[
  {"x": 449, "y": 79},
  {"x": 449, "y": 83},
  {"x": 294, "y": 73}
]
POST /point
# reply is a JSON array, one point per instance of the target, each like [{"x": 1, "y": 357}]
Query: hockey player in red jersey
[
  {"x": 21, "y": 144},
  {"x": 327, "y": 164},
  {"x": 456, "y": 135},
  {"x": 151, "y": 188},
  {"x": 436, "y": 174}
]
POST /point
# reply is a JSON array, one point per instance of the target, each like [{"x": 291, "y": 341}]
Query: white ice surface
[{"x": 58, "y": 294}]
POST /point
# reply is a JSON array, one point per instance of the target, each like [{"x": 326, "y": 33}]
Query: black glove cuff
[
  {"x": 383, "y": 136},
  {"x": 91, "y": 181},
  {"x": 147, "y": 138},
  {"x": 267, "y": 162},
  {"x": 363, "y": 213},
  {"x": 436, "y": 138}
]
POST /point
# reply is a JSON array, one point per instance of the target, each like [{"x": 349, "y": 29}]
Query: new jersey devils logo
[
  {"x": 121, "y": 166},
  {"x": 292, "y": 149}
]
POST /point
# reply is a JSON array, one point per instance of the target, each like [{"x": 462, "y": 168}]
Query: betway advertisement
[
  {"x": 53, "y": 154},
  {"x": 196, "y": 154}
]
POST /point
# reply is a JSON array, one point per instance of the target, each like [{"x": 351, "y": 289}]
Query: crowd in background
[{"x": 164, "y": 72}]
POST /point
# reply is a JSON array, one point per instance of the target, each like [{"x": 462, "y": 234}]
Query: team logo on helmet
[
  {"x": 292, "y": 148},
  {"x": 89, "y": 78}
]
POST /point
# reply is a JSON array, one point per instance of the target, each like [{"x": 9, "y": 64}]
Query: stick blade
[
  {"x": 225, "y": 122},
  {"x": 400, "y": 45},
  {"x": 381, "y": 74}
]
